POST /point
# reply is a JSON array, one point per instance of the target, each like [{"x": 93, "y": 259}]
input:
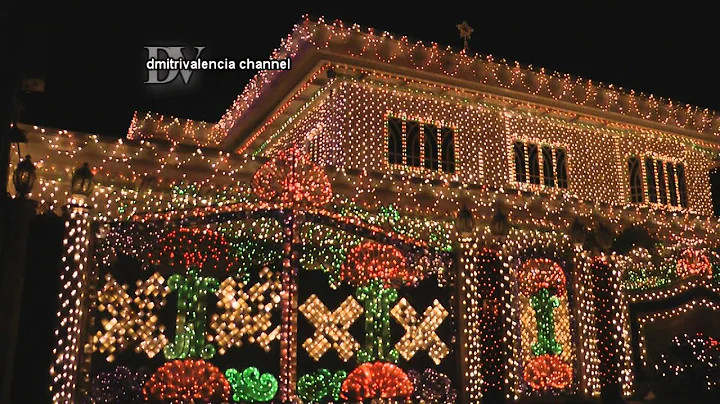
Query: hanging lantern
[
  {"x": 499, "y": 225},
  {"x": 24, "y": 177},
  {"x": 82, "y": 181}
]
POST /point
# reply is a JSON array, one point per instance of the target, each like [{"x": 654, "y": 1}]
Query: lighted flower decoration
[
  {"x": 179, "y": 381},
  {"x": 694, "y": 262},
  {"x": 376, "y": 380},
  {"x": 290, "y": 177},
  {"x": 541, "y": 273},
  {"x": 120, "y": 386},
  {"x": 548, "y": 371},
  {"x": 432, "y": 387},
  {"x": 374, "y": 261},
  {"x": 203, "y": 249}
]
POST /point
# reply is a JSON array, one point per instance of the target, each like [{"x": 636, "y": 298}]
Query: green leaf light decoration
[
  {"x": 191, "y": 316},
  {"x": 544, "y": 305},
  {"x": 317, "y": 386},
  {"x": 250, "y": 386}
]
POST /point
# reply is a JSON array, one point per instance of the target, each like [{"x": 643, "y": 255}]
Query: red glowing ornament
[
  {"x": 547, "y": 371},
  {"x": 374, "y": 261},
  {"x": 181, "y": 381},
  {"x": 694, "y": 262},
  {"x": 203, "y": 249},
  {"x": 541, "y": 273},
  {"x": 291, "y": 177},
  {"x": 376, "y": 380}
]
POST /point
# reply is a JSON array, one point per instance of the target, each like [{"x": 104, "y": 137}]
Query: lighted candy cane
[
  {"x": 191, "y": 316},
  {"x": 544, "y": 305}
]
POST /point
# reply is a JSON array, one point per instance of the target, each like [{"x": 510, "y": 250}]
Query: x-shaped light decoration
[
  {"x": 132, "y": 319},
  {"x": 238, "y": 320},
  {"x": 331, "y": 327},
  {"x": 420, "y": 334}
]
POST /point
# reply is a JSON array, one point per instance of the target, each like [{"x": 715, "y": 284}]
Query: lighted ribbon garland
[
  {"x": 191, "y": 318},
  {"x": 251, "y": 386},
  {"x": 320, "y": 385}
]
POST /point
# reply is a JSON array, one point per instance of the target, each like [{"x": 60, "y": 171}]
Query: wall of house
[{"x": 484, "y": 134}]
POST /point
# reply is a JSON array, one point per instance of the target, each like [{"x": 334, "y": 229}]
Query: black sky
[{"x": 92, "y": 58}]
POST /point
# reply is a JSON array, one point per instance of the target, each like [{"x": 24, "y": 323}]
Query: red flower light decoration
[
  {"x": 204, "y": 249},
  {"x": 179, "y": 381},
  {"x": 376, "y": 380},
  {"x": 694, "y": 262},
  {"x": 539, "y": 273},
  {"x": 548, "y": 371},
  {"x": 291, "y": 177},
  {"x": 374, "y": 261}
]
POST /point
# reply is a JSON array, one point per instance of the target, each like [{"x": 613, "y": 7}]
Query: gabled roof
[{"x": 270, "y": 95}]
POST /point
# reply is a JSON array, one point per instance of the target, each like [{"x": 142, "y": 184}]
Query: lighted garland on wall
[{"x": 321, "y": 385}]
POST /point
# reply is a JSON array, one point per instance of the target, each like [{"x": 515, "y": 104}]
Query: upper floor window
[
  {"x": 422, "y": 145},
  {"x": 540, "y": 164},
  {"x": 664, "y": 181}
]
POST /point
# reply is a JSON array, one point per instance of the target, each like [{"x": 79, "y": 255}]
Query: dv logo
[{"x": 169, "y": 60}]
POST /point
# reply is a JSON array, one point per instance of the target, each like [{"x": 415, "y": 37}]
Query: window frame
[
  {"x": 557, "y": 182},
  {"x": 437, "y": 164}
]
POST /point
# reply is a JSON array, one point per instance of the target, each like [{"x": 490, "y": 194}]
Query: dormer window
[{"x": 421, "y": 145}]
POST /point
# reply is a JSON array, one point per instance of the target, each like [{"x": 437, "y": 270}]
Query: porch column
[
  {"x": 607, "y": 323},
  {"x": 480, "y": 339},
  {"x": 71, "y": 311},
  {"x": 292, "y": 221}
]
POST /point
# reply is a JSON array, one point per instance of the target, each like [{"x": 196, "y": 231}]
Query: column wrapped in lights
[
  {"x": 73, "y": 281},
  {"x": 606, "y": 325},
  {"x": 292, "y": 222}
]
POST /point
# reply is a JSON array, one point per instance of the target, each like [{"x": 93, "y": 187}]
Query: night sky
[{"x": 93, "y": 61}]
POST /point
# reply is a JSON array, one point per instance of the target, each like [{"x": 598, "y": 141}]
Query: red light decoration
[
  {"x": 186, "y": 248},
  {"x": 374, "y": 261},
  {"x": 180, "y": 381},
  {"x": 694, "y": 262},
  {"x": 548, "y": 371},
  {"x": 376, "y": 380},
  {"x": 541, "y": 273},
  {"x": 290, "y": 177}
]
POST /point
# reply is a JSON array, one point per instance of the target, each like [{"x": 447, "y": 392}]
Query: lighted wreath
[
  {"x": 120, "y": 386},
  {"x": 290, "y": 177},
  {"x": 541, "y": 273},
  {"x": 376, "y": 380},
  {"x": 372, "y": 261},
  {"x": 203, "y": 249},
  {"x": 694, "y": 262},
  {"x": 179, "y": 381},
  {"x": 432, "y": 387},
  {"x": 548, "y": 371}
]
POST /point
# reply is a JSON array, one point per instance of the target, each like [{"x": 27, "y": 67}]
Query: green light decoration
[
  {"x": 321, "y": 385},
  {"x": 544, "y": 305},
  {"x": 191, "y": 317},
  {"x": 250, "y": 386},
  {"x": 377, "y": 299}
]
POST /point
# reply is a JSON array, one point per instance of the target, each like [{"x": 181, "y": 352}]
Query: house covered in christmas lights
[{"x": 387, "y": 220}]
